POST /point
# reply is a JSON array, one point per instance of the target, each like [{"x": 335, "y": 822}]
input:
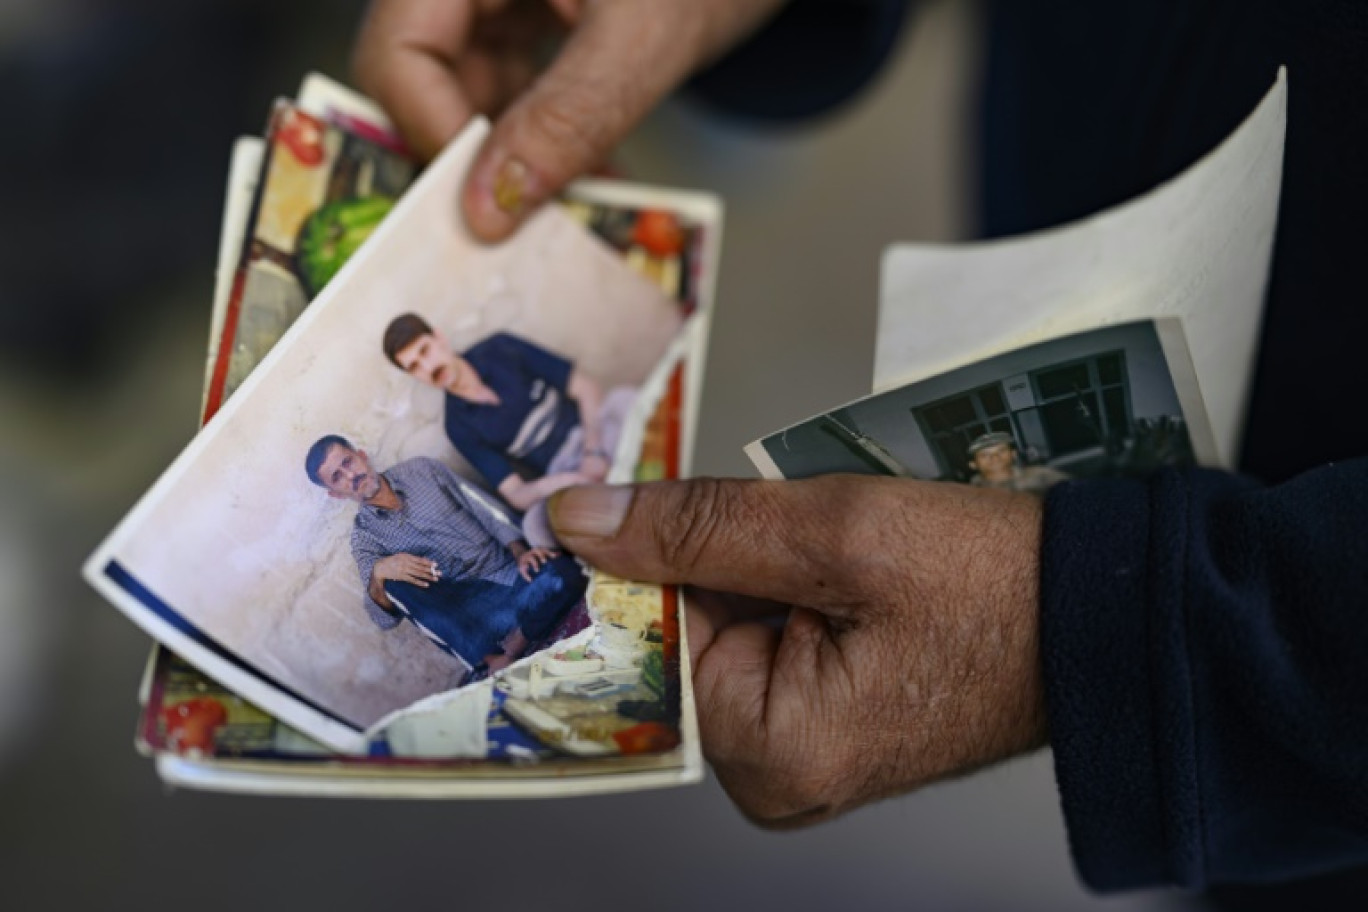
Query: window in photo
[
  {"x": 1082, "y": 405},
  {"x": 951, "y": 424}
]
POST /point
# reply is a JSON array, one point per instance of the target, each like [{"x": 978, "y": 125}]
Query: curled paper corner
[
  {"x": 530, "y": 677},
  {"x": 452, "y": 725}
]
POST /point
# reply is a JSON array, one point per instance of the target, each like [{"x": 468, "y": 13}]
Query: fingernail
[
  {"x": 591, "y": 510},
  {"x": 512, "y": 186},
  {"x": 502, "y": 190}
]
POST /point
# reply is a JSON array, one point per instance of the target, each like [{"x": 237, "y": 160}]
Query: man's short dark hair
[
  {"x": 319, "y": 452},
  {"x": 402, "y": 332}
]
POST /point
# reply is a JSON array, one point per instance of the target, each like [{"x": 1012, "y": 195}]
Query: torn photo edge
[{"x": 378, "y": 778}]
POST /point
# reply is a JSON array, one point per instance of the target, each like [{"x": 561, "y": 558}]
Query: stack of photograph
[{"x": 350, "y": 572}]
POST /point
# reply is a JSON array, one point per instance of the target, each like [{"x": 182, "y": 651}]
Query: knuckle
[
  {"x": 781, "y": 781},
  {"x": 814, "y": 779},
  {"x": 570, "y": 121},
  {"x": 693, "y": 526},
  {"x": 786, "y": 799},
  {"x": 874, "y": 531}
]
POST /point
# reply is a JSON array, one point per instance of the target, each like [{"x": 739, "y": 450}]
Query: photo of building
[{"x": 1093, "y": 404}]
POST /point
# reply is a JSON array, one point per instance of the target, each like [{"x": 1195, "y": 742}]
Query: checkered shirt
[{"x": 442, "y": 518}]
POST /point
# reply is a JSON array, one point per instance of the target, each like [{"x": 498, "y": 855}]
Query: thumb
[
  {"x": 786, "y": 541},
  {"x": 620, "y": 59}
]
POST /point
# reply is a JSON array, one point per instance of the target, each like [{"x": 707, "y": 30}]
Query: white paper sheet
[{"x": 1197, "y": 247}]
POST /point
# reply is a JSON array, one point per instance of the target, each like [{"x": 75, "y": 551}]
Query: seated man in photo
[
  {"x": 513, "y": 405},
  {"x": 431, "y": 548},
  {"x": 994, "y": 458}
]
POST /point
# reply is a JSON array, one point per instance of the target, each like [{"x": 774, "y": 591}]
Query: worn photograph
[
  {"x": 587, "y": 704},
  {"x": 390, "y": 457},
  {"x": 322, "y": 189},
  {"x": 1117, "y": 401},
  {"x": 605, "y": 708}
]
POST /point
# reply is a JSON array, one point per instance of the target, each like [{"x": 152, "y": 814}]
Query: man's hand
[
  {"x": 530, "y": 560},
  {"x": 858, "y": 637},
  {"x": 406, "y": 568},
  {"x": 434, "y": 64}
]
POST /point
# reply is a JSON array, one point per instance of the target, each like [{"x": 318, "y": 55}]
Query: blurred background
[{"x": 120, "y": 115}]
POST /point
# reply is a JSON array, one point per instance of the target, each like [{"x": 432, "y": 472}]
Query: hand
[
  {"x": 862, "y": 636},
  {"x": 434, "y": 64},
  {"x": 594, "y": 466},
  {"x": 530, "y": 561},
  {"x": 406, "y": 568}
]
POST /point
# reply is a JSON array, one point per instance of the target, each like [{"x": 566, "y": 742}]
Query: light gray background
[{"x": 85, "y": 824}]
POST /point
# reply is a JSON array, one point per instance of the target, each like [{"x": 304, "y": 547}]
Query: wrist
[{"x": 1008, "y": 692}]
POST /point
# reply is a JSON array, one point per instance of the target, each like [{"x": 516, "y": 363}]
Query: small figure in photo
[
  {"x": 528, "y": 420},
  {"x": 429, "y": 547}
]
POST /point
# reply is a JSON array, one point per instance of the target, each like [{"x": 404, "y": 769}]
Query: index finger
[{"x": 405, "y": 59}]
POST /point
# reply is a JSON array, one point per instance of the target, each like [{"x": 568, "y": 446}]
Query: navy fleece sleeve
[{"x": 1205, "y": 644}]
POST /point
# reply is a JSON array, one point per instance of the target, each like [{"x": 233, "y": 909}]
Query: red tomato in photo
[
  {"x": 190, "y": 724},
  {"x": 658, "y": 233},
  {"x": 303, "y": 136},
  {"x": 646, "y": 738}
]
